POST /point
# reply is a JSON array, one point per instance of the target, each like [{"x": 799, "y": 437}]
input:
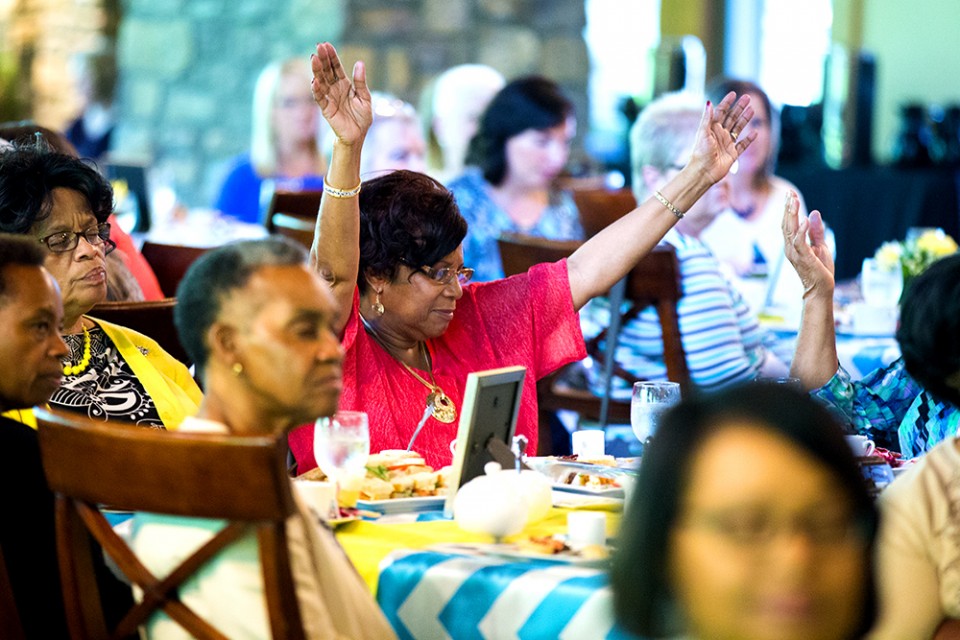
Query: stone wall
[{"x": 188, "y": 66}]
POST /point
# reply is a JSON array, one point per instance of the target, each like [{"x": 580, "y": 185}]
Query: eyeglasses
[
  {"x": 64, "y": 241},
  {"x": 445, "y": 275},
  {"x": 754, "y": 529}
]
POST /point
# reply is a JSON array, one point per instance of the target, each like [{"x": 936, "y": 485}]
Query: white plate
[
  {"x": 510, "y": 551},
  {"x": 403, "y": 505},
  {"x": 569, "y": 500},
  {"x": 605, "y": 492}
]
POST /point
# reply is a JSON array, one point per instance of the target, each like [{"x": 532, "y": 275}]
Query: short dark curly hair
[
  {"x": 19, "y": 251},
  {"x": 929, "y": 331},
  {"x": 530, "y": 102},
  {"x": 28, "y": 175},
  {"x": 216, "y": 274},
  {"x": 406, "y": 218}
]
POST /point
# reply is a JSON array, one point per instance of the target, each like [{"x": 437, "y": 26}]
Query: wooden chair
[
  {"x": 297, "y": 228},
  {"x": 170, "y": 262},
  {"x": 655, "y": 280},
  {"x": 239, "y": 479},
  {"x": 152, "y": 318},
  {"x": 598, "y": 207},
  {"x": 303, "y": 204}
]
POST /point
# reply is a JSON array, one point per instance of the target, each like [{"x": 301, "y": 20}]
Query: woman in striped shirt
[{"x": 720, "y": 334}]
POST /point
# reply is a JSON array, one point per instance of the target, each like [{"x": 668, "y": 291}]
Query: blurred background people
[
  {"x": 284, "y": 144},
  {"x": 111, "y": 372},
  {"x": 129, "y": 275},
  {"x": 521, "y": 146},
  {"x": 746, "y": 237},
  {"x": 911, "y": 404},
  {"x": 779, "y": 549},
  {"x": 258, "y": 323},
  {"x": 451, "y": 111},
  {"x": 96, "y": 78},
  {"x": 395, "y": 139},
  {"x": 721, "y": 335}
]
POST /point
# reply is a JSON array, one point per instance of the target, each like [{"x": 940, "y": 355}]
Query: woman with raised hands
[{"x": 411, "y": 330}]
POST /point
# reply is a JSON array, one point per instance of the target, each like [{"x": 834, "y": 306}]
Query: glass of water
[
  {"x": 880, "y": 286},
  {"x": 341, "y": 445},
  {"x": 650, "y": 401}
]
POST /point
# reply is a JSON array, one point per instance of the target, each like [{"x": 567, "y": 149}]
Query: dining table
[{"x": 433, "y": 579}]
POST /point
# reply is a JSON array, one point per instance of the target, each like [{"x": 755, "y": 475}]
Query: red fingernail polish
[{"x": 708, "y": 103}]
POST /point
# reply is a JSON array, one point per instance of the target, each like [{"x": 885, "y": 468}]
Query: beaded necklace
[
  {"x": 80, "y": 367},
  {"x": 441, "y": 406}
]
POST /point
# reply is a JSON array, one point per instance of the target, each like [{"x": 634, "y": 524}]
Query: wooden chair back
[
  {"x": 239, "y": 479},
  {"x": 152, "y": 318},
  {"x": 598, "y": 207},
  {"x": 298, "y": 228},
  {"x": 655, "y": 280},
  {"x": 170, "y": 262},
  {"x": 303, "y": 204}
]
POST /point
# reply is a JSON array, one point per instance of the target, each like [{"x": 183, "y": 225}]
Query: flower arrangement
[{"x": 916, "y": 253}]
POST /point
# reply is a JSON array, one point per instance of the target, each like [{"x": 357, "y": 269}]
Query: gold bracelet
[
  {"x": 341, "y": 193},
  {"x": 669, "y": 205}
]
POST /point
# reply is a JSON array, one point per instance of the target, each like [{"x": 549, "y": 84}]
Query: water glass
[
  {"x": 880, "y": 286},
  {"x": 650, "y": 401},
  {"x": 341, "y": 445}
]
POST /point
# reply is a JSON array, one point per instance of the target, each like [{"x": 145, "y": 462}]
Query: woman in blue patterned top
[
  {"x": 721, "y": 337},
  {"x": 521, "y": 146},
  {"x": 909, "y": 405}
]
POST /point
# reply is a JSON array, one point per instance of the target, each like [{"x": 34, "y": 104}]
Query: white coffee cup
[
  {"x": 320, "y": 496},
  {"x": 587, "y": 527},
  {"x": 862, "y": 446}
]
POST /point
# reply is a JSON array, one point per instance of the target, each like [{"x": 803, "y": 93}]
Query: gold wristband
[
  {"x": 669, "y": 205},
  {"x": 341, "y": 193}
]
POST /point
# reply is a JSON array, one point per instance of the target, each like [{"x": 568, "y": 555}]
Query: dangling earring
[
  {"x": 377, "y": 305},
  {"x": 237, "y": 369}
]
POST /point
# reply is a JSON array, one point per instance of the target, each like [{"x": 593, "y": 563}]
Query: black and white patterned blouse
[{"x": 107, "y": 389}]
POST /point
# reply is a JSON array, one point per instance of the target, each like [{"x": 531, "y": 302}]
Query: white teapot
[{"x": 501, "y": 502}]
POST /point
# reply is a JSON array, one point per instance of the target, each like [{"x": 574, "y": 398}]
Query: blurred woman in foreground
[
  {"x": 411, "y": 330},
  {"x": 750, "y": 520}
]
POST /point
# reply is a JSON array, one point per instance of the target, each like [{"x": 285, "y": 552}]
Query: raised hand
[
  {"x": 718, "y": 143},
  {"x": 345, "y": 106},
  {"x": 812, "y": 260}
]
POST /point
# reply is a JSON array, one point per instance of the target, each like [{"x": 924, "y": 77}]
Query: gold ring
[{"x": 734, "y": 136}]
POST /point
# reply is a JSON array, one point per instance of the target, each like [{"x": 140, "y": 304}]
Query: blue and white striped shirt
[{"x": 720, "y": 333}]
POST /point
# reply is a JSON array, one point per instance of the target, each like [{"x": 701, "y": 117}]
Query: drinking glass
[
  {"x": 880, "y": 286},
  {"x": 341, "y": 445},
  {"x": 650, "y": 401}
]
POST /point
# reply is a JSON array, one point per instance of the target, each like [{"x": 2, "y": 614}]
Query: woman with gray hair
[{"x": 721, "y": 335}]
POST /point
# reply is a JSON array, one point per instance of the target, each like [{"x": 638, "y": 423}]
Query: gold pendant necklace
[{"x": 441, "y": 405}]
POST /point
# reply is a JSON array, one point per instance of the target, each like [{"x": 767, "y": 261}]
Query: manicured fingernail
[{"x": 708, "y": 103}]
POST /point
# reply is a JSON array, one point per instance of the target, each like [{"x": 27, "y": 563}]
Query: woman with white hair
[
  {"x": 451, "y": 113},
  {"x": 395, "y": 140},
  {"x": 284, "y": 148}
]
